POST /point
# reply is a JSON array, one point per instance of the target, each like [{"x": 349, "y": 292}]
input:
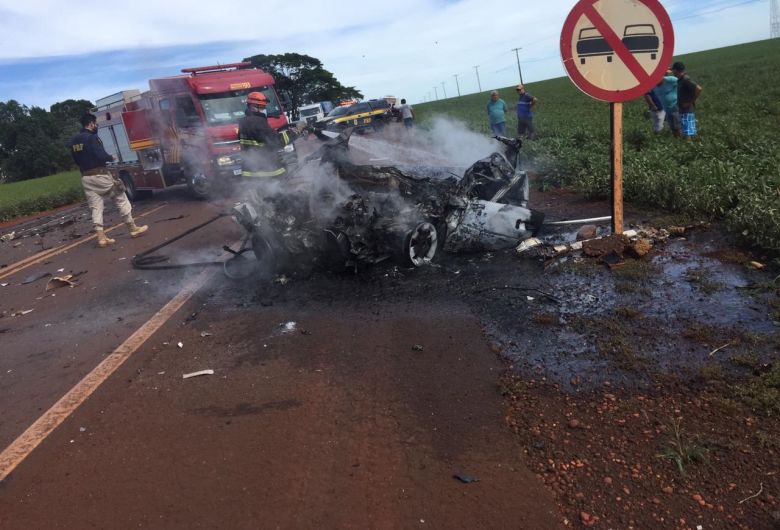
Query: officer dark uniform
[
  {"x": 88, "y": 153},
  {"x": 260, "y": 143}
]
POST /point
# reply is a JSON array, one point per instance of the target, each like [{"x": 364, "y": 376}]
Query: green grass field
[
  {"x": 36, "y": 195},
  {"x": 731, "y": 171}
]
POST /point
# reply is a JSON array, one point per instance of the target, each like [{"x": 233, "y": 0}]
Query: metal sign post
[{"x": 615, "y": 51}]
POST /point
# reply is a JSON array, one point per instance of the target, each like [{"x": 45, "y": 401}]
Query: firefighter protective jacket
[
  {"x": 88, "y": 151},
  {"x": 259, "y": 146}
]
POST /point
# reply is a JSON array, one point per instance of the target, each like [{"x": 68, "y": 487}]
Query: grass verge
[{"x": 37, "y": 195}]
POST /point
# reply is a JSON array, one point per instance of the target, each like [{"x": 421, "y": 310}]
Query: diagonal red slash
[{"x": 615, "y": 42}]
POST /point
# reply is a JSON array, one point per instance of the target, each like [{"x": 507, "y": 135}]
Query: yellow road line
[
  {"x": 46, "y": 254},
  {"x": 15, "y": 453}
]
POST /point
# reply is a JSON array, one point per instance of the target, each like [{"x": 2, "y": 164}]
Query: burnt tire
[
  {"x": 420, "y": 245},
  {"x": 239, "y": 267},
  {"x": 266, "y": 255}
]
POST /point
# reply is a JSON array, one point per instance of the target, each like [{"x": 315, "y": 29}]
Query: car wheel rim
[{"x": 422, "y": 244}]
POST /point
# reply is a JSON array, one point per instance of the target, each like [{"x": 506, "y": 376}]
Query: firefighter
[
  {"x": 97, "y": 181},
  {"x": 259, "y": 141}
]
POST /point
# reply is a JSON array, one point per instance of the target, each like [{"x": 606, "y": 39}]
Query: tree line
[{"x": 34, "y": 142}]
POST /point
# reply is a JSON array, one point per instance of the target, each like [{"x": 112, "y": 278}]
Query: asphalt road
[{"x": 333, "y": 403}]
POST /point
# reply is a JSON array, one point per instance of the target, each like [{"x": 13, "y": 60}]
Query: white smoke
[{"x": 447, "y": 143}]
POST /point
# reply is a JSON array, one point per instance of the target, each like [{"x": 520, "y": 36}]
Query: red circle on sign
[{"x": 645, "y": 81}]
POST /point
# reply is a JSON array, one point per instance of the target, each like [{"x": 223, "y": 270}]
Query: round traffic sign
[{"x": 616, "y": 50}]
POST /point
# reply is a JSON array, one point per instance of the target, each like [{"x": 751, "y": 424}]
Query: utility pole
[
  {"x": 774, "y": 20},
  {"x": 478, "y": 82},
  {"x": 517, "y": 55},
  {"x": 456, "y": 83},
  {"x": 436, "y": 90},
  {"x": 444, "y": 90}
]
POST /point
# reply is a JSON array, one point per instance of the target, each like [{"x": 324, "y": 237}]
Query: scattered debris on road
[
  {"x": 205, "y": 334},
  {"x": 466, "y": 479},
  {"x": 417, "y": 347},
  {"x": 21, "y": 312},
  {"x": 182, "y": 216},
  {"x": 7, "y": 237},
  {"x": 199, "y": 373},
  {"x": 35, "y": 277},
  {"x": 60, "y": 281}
]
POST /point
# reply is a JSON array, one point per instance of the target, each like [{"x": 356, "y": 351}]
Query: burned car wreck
[{"x": 366, "y": 214}]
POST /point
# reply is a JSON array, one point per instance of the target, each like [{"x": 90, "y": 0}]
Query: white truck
[{"x": 309, "y": 114}]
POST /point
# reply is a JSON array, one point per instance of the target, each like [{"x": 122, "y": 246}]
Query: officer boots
[
  {"x": 102, "y": 239},
  {"x": 135, "y": 230}
]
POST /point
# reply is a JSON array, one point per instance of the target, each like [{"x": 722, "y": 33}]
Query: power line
[
  {"x": 456, "y": 83},
  {"x": 774, "y": 20},
  {"x": 479, "y": 84}
]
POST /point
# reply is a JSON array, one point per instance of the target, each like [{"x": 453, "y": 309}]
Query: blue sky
[{"x": 49, "y": 53}]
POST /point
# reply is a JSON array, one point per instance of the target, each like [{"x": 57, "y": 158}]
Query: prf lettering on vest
[{"x": 78, "y": 147}]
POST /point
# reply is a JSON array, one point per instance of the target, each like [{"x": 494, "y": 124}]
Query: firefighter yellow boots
[
  {"x": 135, "y": 230},
  {"x": 103, "y": 240}
]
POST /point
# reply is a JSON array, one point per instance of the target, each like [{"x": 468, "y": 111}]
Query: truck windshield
[
  {"x": 229, "y": 107},
  {"x": 313, "y": 111}
]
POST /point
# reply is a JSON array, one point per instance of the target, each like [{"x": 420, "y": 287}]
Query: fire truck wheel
[
  {"x": 130, "y": 191},
  {"x": 198, "y": 185}
]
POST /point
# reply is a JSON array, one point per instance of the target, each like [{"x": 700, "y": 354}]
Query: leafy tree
[
  {"x": 303, "y": 79},
  {"x": 33, "y": 141}
]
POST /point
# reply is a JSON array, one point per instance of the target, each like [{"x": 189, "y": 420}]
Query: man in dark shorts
[{"x": 687, "y": 94}]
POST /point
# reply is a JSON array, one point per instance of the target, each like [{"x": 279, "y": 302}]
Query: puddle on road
[{"x": 628, "y": 325}]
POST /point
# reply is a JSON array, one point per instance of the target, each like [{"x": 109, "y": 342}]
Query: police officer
[
  {"x": 97, "y": 181},
  {"x": 259, "y": 141}
]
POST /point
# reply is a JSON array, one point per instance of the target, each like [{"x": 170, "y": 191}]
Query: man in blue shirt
[
  {"x": 496, "y": 111},
  {"x": 656, "y": 109},
  {"x": 525, "y": 114}
]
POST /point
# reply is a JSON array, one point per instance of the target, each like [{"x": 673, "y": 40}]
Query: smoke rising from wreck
[{"x": 302, "y": 206}]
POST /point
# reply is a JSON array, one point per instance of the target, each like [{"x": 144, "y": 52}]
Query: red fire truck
[{"x": 184, "y": 129}]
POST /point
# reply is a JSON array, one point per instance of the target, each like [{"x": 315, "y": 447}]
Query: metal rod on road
[
  {"x": 580, "y": 221},
  {"x": 456, "y": 83},
  {"x": 519, "y": 71},
  {"x": 479, "y": 84}
]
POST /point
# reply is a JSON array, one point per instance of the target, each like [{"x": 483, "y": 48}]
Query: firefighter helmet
[{"x": 257, "y": 98}]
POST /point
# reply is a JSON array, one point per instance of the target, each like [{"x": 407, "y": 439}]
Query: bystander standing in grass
[
  {"x": 407, "y": 114},
  {"x": 525, "y": 112},
  {"x": 667, "y": 92},
  {"x": 687, "y": 94},
  {"x": 496, "y": 111},
  {"x": 656, "y": 109}
]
